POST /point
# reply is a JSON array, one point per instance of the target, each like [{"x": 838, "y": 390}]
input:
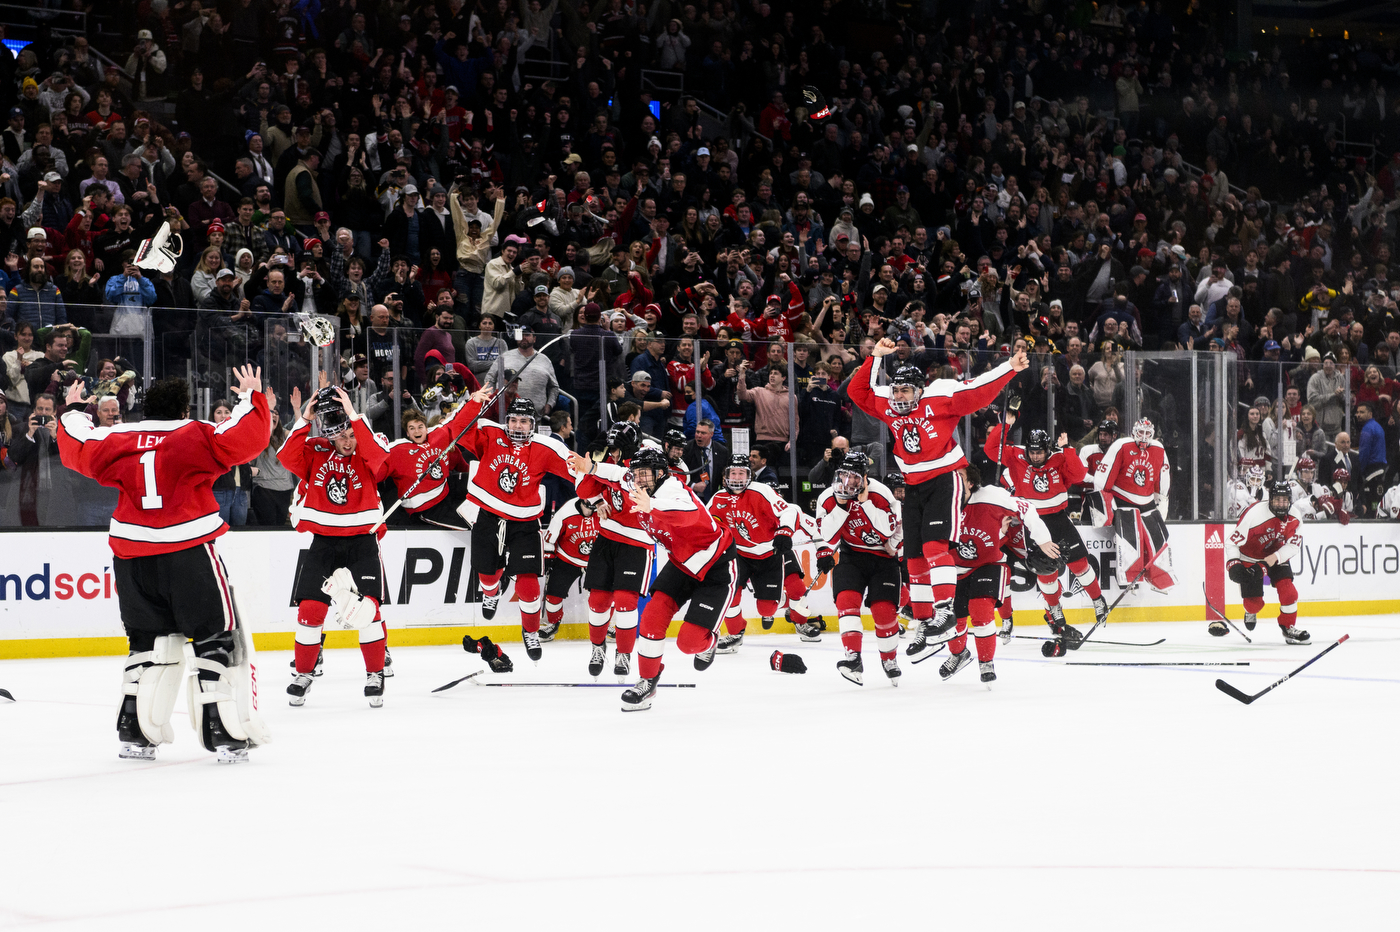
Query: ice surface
[{"x": 1088, "y": 798}]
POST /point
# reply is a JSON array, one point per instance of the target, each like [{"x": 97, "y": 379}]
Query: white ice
[{"x": 1065, "y": 798}]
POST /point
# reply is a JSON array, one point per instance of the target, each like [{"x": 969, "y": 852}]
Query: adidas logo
[{"x": 1213, "y": 542}]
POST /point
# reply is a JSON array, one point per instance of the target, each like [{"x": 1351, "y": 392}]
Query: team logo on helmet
[
  {"x": 911, "y": 440},
  {"x": 508, "y": 480},
  {"x": 1041, "y": 483},
  {"x": 338, "y": 491}
]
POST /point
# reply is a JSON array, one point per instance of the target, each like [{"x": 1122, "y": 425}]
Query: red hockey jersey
[
  {"x": 679, "y": 374},
  {"x": 869, "y": 526},
  {"x": 1091, "y": 455},
  {"x": 756, "y": 515},
  {"x": 621, "y": 524},
  {"x": 164, "y": 472},
  {"x": 1259, "y": 533},
  {"x": 1047, "y": 485},
  {"x": 505, "y": 478},
  {"x": 992, "y": 519},
  {"x": 409, "y": 460},
  {"x": 678, "y": 521},
  {"x": 571, "y": 535},
  {"x": 338, "y": 495},
  {"x": 924, "y": 443},
  {"x": 1134, "y": 473}
]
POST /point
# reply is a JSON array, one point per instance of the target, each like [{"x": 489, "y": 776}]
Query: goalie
[{"x": 337, "y": 502}]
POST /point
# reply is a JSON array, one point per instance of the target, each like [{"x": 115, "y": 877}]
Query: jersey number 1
[{"x": 152, "y": 498}]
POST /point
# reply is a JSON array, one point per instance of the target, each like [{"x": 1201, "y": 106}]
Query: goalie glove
[
  {"x": 356, "y": 611},
  {"x": 826, "y": 560},
  {"x": 786, "y": 663}
]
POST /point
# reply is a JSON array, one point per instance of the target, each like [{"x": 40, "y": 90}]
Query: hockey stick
[
  {"x": 1161, "y": 663},
  {"x": 591, "y": 685},
  {"x": 1222, "y": 615},
  {"x": 456, "y": 682},
  {"x": 6, "y": 694},
  {"x": 1234, "y": 693},
  {"x": 1031, "y": 637},
  {"x": 447, "y": 450},
  {"x": 1121, "y": 596}
]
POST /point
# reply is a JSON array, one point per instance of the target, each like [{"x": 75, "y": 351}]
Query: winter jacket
[{"x": 42, "y": 308}]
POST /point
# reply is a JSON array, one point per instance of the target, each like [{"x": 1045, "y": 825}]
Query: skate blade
[
  {"x": 638, "y": 707},
  {"x": 377, "y": 702},
  {"x": 131, "y": 752},
  {"x": 894, "y": 681},
  {"x": 920, "y": 658},
  {"x": 296, "y": 702},
  {"x": 227, "y": 755},
  {"x": 853, "y": 677},
  {"x": 808, "y": 639},
  {"x": 703, "y": 665}
]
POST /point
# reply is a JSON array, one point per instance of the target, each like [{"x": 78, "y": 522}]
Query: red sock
[
  {"x": 527, "y": 590},
  {"x": 848, "y": 608},
  {"x": 1004, "y": 610},
  {"x": 1287, "y": 602},
  {"x": 795, "y": 589},
  {"x": 1049, "y": 587},
  {"x": 656, "y": 618},
  {"x": 942, "y": 571},
  {"x": 959, "y": 643},
  {"x": 851, "y": 641},
  {"x": 984, "y": 627},
  {"x": 373, "y": 652},
  {"x": 886, "y": 628},
  {"x": 491, "y": 584},
  {"x": 1087, "y": 578},
  {"x": 920, "y": 588},
  {"x": 311, "y": 615},
  {"x": 554, "y": 610}
]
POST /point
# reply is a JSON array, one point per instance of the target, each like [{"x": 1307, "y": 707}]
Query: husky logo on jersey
[
  {"x": 1139, "y": 477},
  {"x": 967, "y": 550},
  {"x": 509, "y": 480},
  {"x": 585, "y": 548},
  {"x": 911, "y": 440},
  {"x": 338, "y": 491},
  {"x": 870, "y": 538},
  {"x": 616, "y": 498},
  {"x": 435, "y": 469},
  {"x": 1041, "y": 483}
]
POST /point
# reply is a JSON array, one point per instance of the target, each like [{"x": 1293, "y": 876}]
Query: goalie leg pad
[
  {"x": 149, "y": 687},
  {"x": 223, "y": 698}
]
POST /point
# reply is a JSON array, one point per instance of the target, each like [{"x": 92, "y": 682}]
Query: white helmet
[
  {"x": 1254, "y": 478},
  {"x": 1143, "y": 431}
]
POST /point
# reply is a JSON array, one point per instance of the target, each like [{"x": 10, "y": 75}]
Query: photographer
[{"x": 35, "y": 452}]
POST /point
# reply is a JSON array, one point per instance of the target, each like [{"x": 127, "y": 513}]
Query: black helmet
[
  {"x": 854, "y": 466},
  {"x": 674, "y": 438},
  {"x": 625, "y": 438},
  {"x": 815, "y": 102},
  {"x": 654, "y": 460},
  {"x": 911, "y": 376},
  {"x": 521, "y": 407},
  {"x": 1039, "y": 442},
  {"x": 1280, "y": 498},
  {"x": 1108, "y": 426},
  {"x": 895, "y": 481},
  {"x": 738, "y": 461},
  {"x": 330, "y": 413}
]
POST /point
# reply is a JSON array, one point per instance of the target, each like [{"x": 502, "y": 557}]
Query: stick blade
[
  {"x": 458, "y": 682},
  {"x": 6, "y": 694},
  {"x": 1233, "y": 693}
]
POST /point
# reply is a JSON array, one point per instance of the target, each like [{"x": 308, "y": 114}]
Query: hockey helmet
[
  {"x": 1280, "y": 498},
  {"x": 1039, "y": 442},
  {"x": 1307, "y": 470},
  {"x": 1110, "y": 427},
  {"x": 674, "y": 442},
  {"x": 895, "y": 481},
  {"x": 1254, "y": 478},
  {"x": 330, "y": 413},
  {"x": 649, "y": 468},
  {"x": 1143, "y": 431},
  {"x": 520, "y": 409},
  {"x": 910, "y": 378},
  {"x": 850, "y": 475},
  {"x": 735, "y": 484},
  {"x": 625, "y": 439},
  {"x": 1341, "y": 478},
  {"x": 319, "y": 331},
  {"x": 815, "y": 102}
]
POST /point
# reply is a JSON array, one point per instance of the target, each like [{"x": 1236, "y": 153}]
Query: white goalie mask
[{"x": 318, "y": 331}]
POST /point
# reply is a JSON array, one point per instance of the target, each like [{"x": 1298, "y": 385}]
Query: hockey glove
[
  {"x": 786, "y": 663},
  {"x": 1242, "y": 572},
  {"x": 826, "y": 560},
  {"x": 782, "y": 543}
]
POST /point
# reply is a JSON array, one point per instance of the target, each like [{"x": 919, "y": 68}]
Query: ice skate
[
  {"x": 547, "y": 630},
  {"x": 597, "y": 659},
  {"x": 729, "y": 643},
  {"x": 388, "y": 664},
  {"x": 892, "y": 670},
  {"x": 940, "y": 629},
  {"x": 989, "y": 673},
  {"x": 622, "y": 666},
  {"x": 767, "y": 621},
  {"x": 852, "y": 668},
  {"x": 707, "y": 656},
  {"x": 1007, "y": 626},
  {"x": 532, "y": 644},
  {"x": 810, "y": 632},
  {"x": 638, "y": 698},
  {"x": 1056, "y": 618},
  {"x": 298, "y": 688},
  {"x": 1250, "y": 620},
  {"x": 230, "y": 755},
  {"x": 1100, "y": 610},
  {"x": 906, "y": 619},
  {"x": 1069, "y": 635},
  {"x": 955, "y": 663},
  {"x": 488, "y": 606},
  {"x": 374, "y": 689},
  {"x": 1294, "y": 635},
  {"x": 131, "y": 750},
  {"x": 612, "y": 631}
]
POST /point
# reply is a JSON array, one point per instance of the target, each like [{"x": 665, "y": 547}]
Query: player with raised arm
[
  {"x": 619, "y": 569},
  {"x": 700, "y": 569},
  {"x": 1240, "y": 494},
  {"x": 990, "y": 520},
  {"x": 763, "y": 525},
  {"x": 172, "y": 587},
  {"x": 505, "y": 499},
  {"x": 1044, "y": 478},
  {"x": 857, "y": 514},
  {"x": 1134, "y": 478},
  {"x": 1267, "y": 536},
  {"x": 337, "y": 503},
  {"x": 922, "y": 420},
  {"x": 1093, "y": 512},
  {"x": 436, "y": 499},
  {"x": 568, "y": 542}
]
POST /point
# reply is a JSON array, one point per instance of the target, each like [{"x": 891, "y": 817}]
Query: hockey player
[
  {"x": 1264, "y": 540},
  {"x": 620, "y": 566},
  {"x": 858, "y": 512},
  {"x": 505, "y": 499},
  {"x": 567, "y": 544},
  {"x": 1044, "y": 477},
  {"x": 1242, "y": 493},
  {"x": 337, "y": 502},
  {"x": 172, "y": 587},
  {"x": 763, "y": 525},
  {"x": 922, "y": 420},
  {"x": 1134, "y": 478},
  {"x": 1319, "y": 501},
  {"x": 1093, "y": 512},
  {"x": 674, "y": 445},
  {"x": 989, "y": 521},
  {"x": 700, "y": 569},
  {"x": 437, "y": 497}
]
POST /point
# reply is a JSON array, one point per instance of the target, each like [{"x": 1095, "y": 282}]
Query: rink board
[{"x": 57, "y": 597}]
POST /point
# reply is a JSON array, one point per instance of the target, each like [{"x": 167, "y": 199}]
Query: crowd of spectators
[{"x": 457, "y": 183}]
